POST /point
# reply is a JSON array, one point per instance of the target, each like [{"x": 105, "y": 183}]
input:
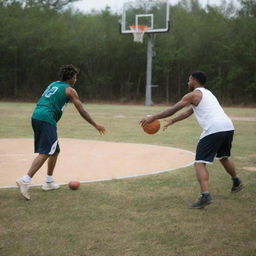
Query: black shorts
[
  {"x": 214, "y": 145},
  {"x": 45, "y": 138}
]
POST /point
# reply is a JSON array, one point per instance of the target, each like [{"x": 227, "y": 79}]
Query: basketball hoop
[{"x": 138, "y": 32}]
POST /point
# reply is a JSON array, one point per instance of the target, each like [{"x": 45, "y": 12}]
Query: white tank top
[{"x": 210, "y": 115}]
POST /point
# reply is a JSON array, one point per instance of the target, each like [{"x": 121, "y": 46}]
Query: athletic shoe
[
  {"x": 237, "y": 185},
  {"x": 50, "y": 186},
  {"x": 203, "y": 200},
  {"x": 24, "y": 187}
]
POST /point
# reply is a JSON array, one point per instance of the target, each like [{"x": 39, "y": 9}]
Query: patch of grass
[{"x": 132, "y": 217}]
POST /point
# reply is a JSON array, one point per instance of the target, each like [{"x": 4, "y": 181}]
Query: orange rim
[{"x": 139, "y": 27}]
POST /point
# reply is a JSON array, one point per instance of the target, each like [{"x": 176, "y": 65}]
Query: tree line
[{"x": 38, "y": 36}]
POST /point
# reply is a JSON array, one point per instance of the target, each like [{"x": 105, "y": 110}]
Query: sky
[{"x": 88, "y": 5}]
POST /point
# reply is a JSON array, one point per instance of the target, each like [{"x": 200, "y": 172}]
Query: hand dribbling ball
[
  {"x": 152, "y": 128},
  {"x": 74, "y": 185}
]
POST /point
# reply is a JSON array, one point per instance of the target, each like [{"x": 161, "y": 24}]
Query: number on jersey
[{"x": 50, "y": 91}]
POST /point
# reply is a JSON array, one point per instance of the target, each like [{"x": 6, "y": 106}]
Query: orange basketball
[
  {"x": 152, "y": 127},
  {"x": 74, "y": 185}
]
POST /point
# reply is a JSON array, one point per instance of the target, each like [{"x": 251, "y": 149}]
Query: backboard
[{"x": 151, "y": 13}]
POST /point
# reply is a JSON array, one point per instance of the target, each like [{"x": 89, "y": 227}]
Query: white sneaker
[
  {"x": 50, "y": 186},
  {"x": 24, "y": 187}
]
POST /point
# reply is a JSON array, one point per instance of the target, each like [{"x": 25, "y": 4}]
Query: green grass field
[{"x": 132, "y": 217}]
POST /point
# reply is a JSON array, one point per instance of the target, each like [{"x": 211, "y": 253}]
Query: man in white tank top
[{"x": 216, "y": 138}]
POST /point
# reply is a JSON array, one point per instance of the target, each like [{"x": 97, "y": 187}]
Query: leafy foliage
[{"x": 40, "y": 35}]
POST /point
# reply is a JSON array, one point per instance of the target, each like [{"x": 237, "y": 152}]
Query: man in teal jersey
[{"x": 47, "y": 113}]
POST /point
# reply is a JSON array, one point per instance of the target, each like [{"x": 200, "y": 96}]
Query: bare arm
[
  {"x": 180, "y": 117},
  {"x": 186, "y": 100},
  {"x": 73, "y": 96}
]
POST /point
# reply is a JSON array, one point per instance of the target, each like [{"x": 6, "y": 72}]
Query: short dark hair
[
  {"x": 199, "y": 76},
  {"x": 66, "y": 72}
]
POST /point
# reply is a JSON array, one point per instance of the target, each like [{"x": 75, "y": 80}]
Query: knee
[
  {"x": 196, "y": 164},
  {"x": 224, "y": 160},
  {"x": 200, "y": 166},
  {"x": 55, "y": 154}
]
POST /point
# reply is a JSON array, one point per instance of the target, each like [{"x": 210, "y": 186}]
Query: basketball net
[{"x": 138, "y": 32}]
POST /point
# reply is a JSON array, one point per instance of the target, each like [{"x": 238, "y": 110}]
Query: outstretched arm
[
  {"x": 180, "y": 117},
  {"x": 73, "y": 96},
  {"x": 186, "y": 100}
]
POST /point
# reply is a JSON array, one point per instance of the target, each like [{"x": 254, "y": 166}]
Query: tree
[
  {"x": 248, "y": 8},
  {"x": 37, "y": 37}
]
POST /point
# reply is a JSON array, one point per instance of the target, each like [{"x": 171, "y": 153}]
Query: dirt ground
[{"x": 89, "y": 161}]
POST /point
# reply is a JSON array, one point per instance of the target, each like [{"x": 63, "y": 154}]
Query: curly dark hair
[
  {"x": 66, "y": 72},
  {"x": 199, "y": 76}
]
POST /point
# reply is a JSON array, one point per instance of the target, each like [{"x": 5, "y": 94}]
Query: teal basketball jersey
[{"x": 51, "y": 104}]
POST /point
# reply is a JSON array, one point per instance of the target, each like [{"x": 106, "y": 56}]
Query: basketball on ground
[
  {"x": 152, "y": 128},
  {"x": 74, "y": 185}
]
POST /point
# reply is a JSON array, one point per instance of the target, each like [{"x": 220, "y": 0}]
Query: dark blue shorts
[
  {"x": 45, "y": 138},
  {"x": 214, "y": 145}
]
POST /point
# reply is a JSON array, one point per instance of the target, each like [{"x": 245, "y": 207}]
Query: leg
[
  {"x": 46, "y": 143},
  {"x": 51, "y": 163},
  {"x": 230, "y": 169},
  {"x": 202, "y": 176},
  {"x": 229, "y": 166},
  {"x": 205, "y": 153},
  {"x": 37, "y": 164},
  {"x": 49, "y": 182},
  {"x": 223, "y": 153}
]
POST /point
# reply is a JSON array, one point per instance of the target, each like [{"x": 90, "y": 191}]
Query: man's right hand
[{"x": 101, "y": 129}]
